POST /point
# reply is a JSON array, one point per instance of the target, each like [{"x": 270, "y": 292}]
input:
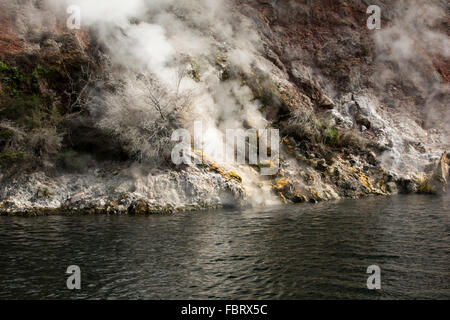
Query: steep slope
[{"x": 86, "y": 116}]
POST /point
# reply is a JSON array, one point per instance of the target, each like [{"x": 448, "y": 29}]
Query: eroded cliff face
[
  {"x": 392, "y": 81},
  {"x": 86, "y": 115}
]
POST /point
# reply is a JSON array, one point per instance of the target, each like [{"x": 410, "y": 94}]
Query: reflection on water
[{"x": 293, "y": 252}]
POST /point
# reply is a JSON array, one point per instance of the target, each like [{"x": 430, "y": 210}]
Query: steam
[
  {"x": 411, "y": 44},
  {"x": 407, "y": 50},
  {"x": 165, "y": 40}
]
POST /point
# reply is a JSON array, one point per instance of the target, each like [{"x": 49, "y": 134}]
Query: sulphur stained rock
[{"x": 440, "y": 177}]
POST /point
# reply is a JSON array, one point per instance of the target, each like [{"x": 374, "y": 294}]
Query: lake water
[{"x": 293, "y": 252}]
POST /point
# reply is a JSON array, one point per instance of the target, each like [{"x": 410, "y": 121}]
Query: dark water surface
[{"x": 294, "y": 252}]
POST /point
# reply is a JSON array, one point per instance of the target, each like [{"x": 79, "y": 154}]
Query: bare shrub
[
  {"x": 304, "y": 124},
  {"x": 11, "y": 136},
  {"x": 142, "y": 113},
  {"x": 44, "y": 142},
  {"x": 350, "y": 138},
  {"x": 82, "y": 89},
  {"x": 36, "y": 145}
]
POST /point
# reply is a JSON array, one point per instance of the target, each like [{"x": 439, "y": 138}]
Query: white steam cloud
[
  {"x": 164, "y": 40},
  {"x": 407, "y": 49}
]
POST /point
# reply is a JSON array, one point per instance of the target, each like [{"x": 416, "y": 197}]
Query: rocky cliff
[{"x": 86, "y": 115}]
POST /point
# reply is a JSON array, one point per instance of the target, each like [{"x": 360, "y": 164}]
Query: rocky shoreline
[
  {"x": 83, "y": 130},
  {"x": 192, "y": 190}
]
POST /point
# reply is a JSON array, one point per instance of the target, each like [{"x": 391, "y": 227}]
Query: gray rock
[{"x": 391, "y": 187}]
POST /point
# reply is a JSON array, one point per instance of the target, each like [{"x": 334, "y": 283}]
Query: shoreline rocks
[{"x": 198, "y": 189}]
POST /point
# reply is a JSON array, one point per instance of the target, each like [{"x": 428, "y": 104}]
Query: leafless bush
[
  {"x": 304, "y": 124},
  {"x": 350, "y": 138},
  {"x": 13, "y": 136},
  {"x": 36, "y": 145},
  {"x": 142, "y": 113},
  {"x": 82, "y": 89},
  {"x": 44, "y": 142}
]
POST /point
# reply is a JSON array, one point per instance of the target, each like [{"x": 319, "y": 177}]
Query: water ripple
[{"x": 296, "y": 252}]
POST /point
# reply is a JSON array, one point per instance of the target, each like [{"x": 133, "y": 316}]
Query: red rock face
[
  {"x": 331, "y": 39},
  {"x": 19, "y": 33},
  {"x": 330, "y": 35},
  {"x": 442, "y": 66},
  {"x": 9, "y": 42}
]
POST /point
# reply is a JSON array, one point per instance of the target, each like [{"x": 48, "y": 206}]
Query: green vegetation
[
  {"x": 30, "y": 111},
  {"x": 31, "y": 122},
  {"x": 10, "y": 157},
  {"x": 304, "y": 125},
  {"x": 12, "y": 79},
  {"x": 332, "y": 136},
  {"x": 5, "y": 136},
  {"x": 38, "y": 74}
]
